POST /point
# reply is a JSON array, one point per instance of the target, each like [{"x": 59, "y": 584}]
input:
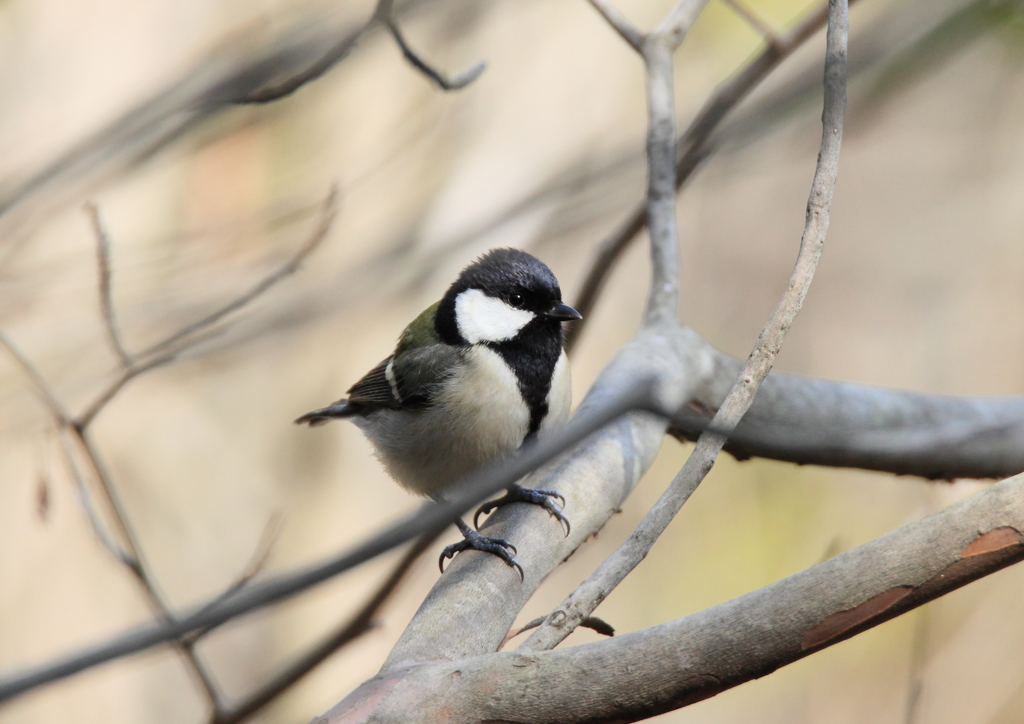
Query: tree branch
[
  {"x": 589, "y": 595},
  {"x": 693, "y": 146},
  {"x": 361, "y": 623},
  {"x": 39, "y": 383},
  {"x": 328, "y": 213},
  {"x": 841, "y": 424},
  {"x": 106, "y": 297},
  {"x": 753, "y": 20},
  {"x": 621, "y": 24},
  {"x": 443, "y": 82},
  {"x": 694, "y": 658}
]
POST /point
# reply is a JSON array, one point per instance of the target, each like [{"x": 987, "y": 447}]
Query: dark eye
[{"x": 516, "y": 300}]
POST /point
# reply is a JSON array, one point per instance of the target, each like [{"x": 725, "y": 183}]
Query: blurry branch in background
[
  {"x": 176, "y": 341},
  {"x": 443, "y": 82},
  {"x": 361, "y": 623},
  {"x": 106, "y": 296},
  {"x": 227, "y": 76},
  {"x": 692, "y": 147},
  {"x": 127, "y": 552},
  {"x": 127, "y": 549},
  {"x": 383, "y": 15},
  {"x": 167, "y": 349},
  {"x": 754, "y": 21},
  {"x": 589, "y": 594}
]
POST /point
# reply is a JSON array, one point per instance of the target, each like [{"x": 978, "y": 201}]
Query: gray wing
[
  {"x": 408, "y": 380},
  {"x": 420, "y": 373},
  {"x": 375, "y": 390}
]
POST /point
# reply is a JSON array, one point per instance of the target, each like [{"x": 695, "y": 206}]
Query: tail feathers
[{"x": 339, "y": 409}]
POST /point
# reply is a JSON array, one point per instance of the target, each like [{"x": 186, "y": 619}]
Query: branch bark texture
[{"x": 696, "y": 657}]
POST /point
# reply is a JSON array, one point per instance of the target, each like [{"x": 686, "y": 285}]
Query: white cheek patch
[{"x": 481, "y": 318}]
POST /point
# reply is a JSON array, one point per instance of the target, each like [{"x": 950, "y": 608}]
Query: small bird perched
[{"x": 473, "y": 378}]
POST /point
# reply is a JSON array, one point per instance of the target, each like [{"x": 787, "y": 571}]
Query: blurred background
[{"x": 920, "y": 287}]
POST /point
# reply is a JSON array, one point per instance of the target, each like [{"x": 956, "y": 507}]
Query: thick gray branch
[
  {"x": 694, "y": 658},
  {"x": 843, "y": 424}
]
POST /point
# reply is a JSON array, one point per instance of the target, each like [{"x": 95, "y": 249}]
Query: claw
[
  {"x": 473, "y": 541},
  {"x": 516, "y": 494}
]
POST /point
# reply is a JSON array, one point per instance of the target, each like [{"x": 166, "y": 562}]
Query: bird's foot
[
  {"x": 473, "y": 541},
  {"x": 516, "y": 494}
]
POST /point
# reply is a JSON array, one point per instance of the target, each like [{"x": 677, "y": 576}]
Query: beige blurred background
[{"x": 920, "y": 287}]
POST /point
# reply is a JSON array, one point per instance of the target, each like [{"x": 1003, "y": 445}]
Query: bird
[{"x": 475, "y": 377}]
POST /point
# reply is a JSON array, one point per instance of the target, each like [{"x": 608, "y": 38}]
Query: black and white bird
[{"x": 473, "y": 378}]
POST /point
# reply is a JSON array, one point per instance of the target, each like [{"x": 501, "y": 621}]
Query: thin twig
[
  {"x": 622, "y": 25},
  {"x": 352, "y": 629},
  {"x": 328, "y": 212},
  {"x": 592, "y": 622},
  {"x": 126, "y": 376},
  {"x": 134, "y": 561},
  {"x": 582, "y": 602},
  {"x": 106, "y": 296},
  {"x": 754, "y": 21},
  {"x": 677, "y": 23},
  {"x": 328, "y": 60},
  {"x": 443, "y": 82},
  {"x": 167, "y": 349},
  {"x": 39, "y": 382},
  {"x": 127, "y": 555},
  {"x": 85, "y": 498},
  {"x": 693, "y": 146},
  {"x": 259, "y": 558}
]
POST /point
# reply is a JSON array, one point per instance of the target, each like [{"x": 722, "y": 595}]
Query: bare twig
[
  {"x": 129, "y": 554},
  {"x": 592, "y": 622},
  {"x": 264, "y": 547},
  {"x": 259, "y": 558},
  {"x": 134, "y": 561},
  {"x": 622, "y": 25},
  {"x": 754, "y": 21},
  {"x": 443, "y": 82},
  {"x": 361, "y": 623},
  {"x": 383, "y": 15},
  {"x": 281, "y": 89},
  {"x": 100, "y": 401},
  {"x": 582, "y": 602},
  {"x": 39, "y": 382},
  {"x": 677, "y": 23},
  {"x": 328, "y": 212},
  {"x": 693, "y": 146},
  {"x": 106, "y": 297},
  {"x": 85, "y": 498}
]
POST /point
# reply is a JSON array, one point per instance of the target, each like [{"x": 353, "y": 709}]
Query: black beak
[{"x": 562, "y": 312}]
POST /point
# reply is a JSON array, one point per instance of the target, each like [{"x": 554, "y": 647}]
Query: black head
[{"x": 501, "y": 296}]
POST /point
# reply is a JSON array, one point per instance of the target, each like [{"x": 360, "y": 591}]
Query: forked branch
[{"x": 582, "y": 602}]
